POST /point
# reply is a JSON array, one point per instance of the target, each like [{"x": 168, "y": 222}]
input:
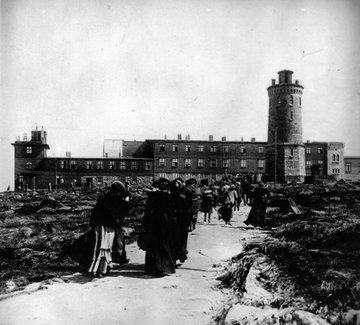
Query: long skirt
[
  {"x": 226, "y": 212},
  {"x": 104, "y": 240}
]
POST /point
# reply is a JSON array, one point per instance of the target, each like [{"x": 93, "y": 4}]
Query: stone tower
[{"x": 285, "y": 153}]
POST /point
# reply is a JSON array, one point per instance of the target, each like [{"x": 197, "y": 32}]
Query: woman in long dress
[
  {"x": 106, "y": 221},
  {"x": 159, "y": 223}
]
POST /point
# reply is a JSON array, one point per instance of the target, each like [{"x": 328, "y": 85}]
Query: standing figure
[
  {"x": 106, "y": 221},
  {"x": 182, "y": 213},
  {"x": 229, "y": 200},
  {"x": 207, "y": 203},
  {"x": 193, "y": 196},
  {"x": 158, "y": 223},
  {"x": 239, "y": 195},
  {"x": 256, "y": 216}
]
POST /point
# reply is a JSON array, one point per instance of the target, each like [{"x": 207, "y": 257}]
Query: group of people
[{"x": 171, "y": 212}]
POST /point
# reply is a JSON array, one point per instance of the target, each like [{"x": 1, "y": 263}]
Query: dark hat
[
  {"x": 118, "y": 188},
  {"x": 163, "y": 183},
  {"x": 191, "y": 181}
]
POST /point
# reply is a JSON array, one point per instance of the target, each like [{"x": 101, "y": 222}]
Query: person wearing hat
[
  {"x": 158, "y": 224},
  {"x": 106, "y": 221}
]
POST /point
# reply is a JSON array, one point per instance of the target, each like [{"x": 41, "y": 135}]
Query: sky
[{"x": 135, "y": 70}]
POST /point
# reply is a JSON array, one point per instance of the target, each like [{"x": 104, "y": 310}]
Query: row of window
[
  {"x": 201, "y": 148},
  {"x": 319, "y": 150},
  {"x": 213, "y": 163},
  {"x": 309, "y": 163},
  {"x": 291, "y": 101},
  {"x": 65, "y": 164}
]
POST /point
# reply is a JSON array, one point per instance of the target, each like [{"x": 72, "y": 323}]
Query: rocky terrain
[{"x": 304, "y": 262}]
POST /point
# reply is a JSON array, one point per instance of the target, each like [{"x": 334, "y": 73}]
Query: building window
[
  {"x": 226, "y": 163},
  {"x": 226, "y": 148},
  {"x": 320, "y": 150},
  {"x": 72, "y": 164},
  {"x": 187, "y": 163},
  {"x": 213, "y": 163},
  {"x": 174, "y": 162},
  {"x": 242, "y": 149},
  {"x": 21, "y": 179},
  {"x": 99, "y": 164},
  {"x": 134, "y": 165},
  {"x": 348, "y": 167},
  {"x": 161, "y": 147},
  {"x": 291, "y": 152},
  {"x": 187, "y": 148},
  {"x": 89, "y": 164},
  {"x": 28, "y": 150},
  {"x": 261, "y": 163},
  {"x": 308, "y": 150},
  {"x": 63, "y": 164},
  {"x": 337, "y": 157},
  {"x": 200, "y": 163},
  {"x": 242, "y": 163},
  {"x": 336, "y": 171},
  {"x": 212, "y": 148},
  {"x": 300, "y": 101},
  {"x": 174, "y": 148},
  {"x": 291, "y": 117},
  {"x": 162, "y": 162},
  {"x": 122, "y": 165},
  {"x": 111, "y": 164},
  {"x": 261, "y": 149},
  {"x": 320, "y": 162},
  {"x": 291, "y": 100},
  {"x": 147, "y": 165},
  {"x": 200, "y": 148},
  {"x": 308, "y": 164},
  {"x": 28, "y": 165}
]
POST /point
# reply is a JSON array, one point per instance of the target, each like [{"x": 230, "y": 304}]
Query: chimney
[
  {"x": 223, "y": 139},
  {"x": 242, "y": 139},
  {"x": 273, "y": 82},
  {"x": 187, "y": 137},
  {"x": 179, "y": 136},
  {"x": 68, "y": 154},
  {"x": 25, "y": 137},
  {"x": 165, "y": 137},
  {"x": 211, "y": 137},
  {"x": 307, "y": 141},
  {"x": 252, "y": 139},
  {"x": 296, "y": 82}
]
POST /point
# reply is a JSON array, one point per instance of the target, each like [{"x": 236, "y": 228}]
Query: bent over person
[{"x": 107, "y": 221}]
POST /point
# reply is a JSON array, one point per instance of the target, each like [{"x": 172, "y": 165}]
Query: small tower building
[{"x": 285, "y": 153}]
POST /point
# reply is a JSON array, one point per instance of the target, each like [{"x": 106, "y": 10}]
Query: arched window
[
  {"x": 337, "y": 157},
  {"x": 291, "y": 115},
  {"x": 300, "y": 101},
  {"x": 334, "y": 158},
  {"x": 291, "y": 100}
]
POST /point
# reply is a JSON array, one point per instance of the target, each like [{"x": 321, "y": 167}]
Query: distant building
[{"x": 283, "y": 158}]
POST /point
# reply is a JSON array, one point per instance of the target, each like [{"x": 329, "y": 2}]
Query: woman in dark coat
[
  {"x": 183, "y": 217},
  {"x": 106, "y": 221},
  {"x": 158, "y": 223},
  {"x": 207, "y": 203},
  {"x": 256, "y": 216}
]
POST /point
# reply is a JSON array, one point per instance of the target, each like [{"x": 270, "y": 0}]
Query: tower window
[
  {"x": 291, "y": 152},
  {"x": 291, "y": 116},
  {"x": 300, "y": 101},
  {"x": 291, "y": 100},
  {"x": 278, "y": 100}
]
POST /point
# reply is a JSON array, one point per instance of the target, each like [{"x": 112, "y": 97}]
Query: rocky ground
[{"x": 302, "y": 268}]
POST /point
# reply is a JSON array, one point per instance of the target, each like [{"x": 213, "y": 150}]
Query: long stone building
[{"x": 283, "y": 158}]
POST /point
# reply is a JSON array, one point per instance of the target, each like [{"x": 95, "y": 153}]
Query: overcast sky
[{"x": 89, "y": 70}]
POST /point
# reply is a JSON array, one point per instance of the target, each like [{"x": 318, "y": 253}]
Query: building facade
[{"x": 283, "y": 158}]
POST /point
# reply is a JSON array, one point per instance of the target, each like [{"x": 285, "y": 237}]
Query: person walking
[
  {"x": 256, "y": 216},
  {"x": 106, "y": 221},
  {"x": 207, "y": 203},
  {"x": 229, "y": 200},
  {"x": 158, "y": 223}
]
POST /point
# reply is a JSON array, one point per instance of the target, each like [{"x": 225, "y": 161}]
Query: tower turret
[{"x": 285, "y": 155}]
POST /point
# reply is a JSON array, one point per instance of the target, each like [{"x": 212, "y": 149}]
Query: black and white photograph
[{"x": 180, "y": 162}]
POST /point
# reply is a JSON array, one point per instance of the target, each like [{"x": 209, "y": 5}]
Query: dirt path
[{"x": 128, "y": 296}]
